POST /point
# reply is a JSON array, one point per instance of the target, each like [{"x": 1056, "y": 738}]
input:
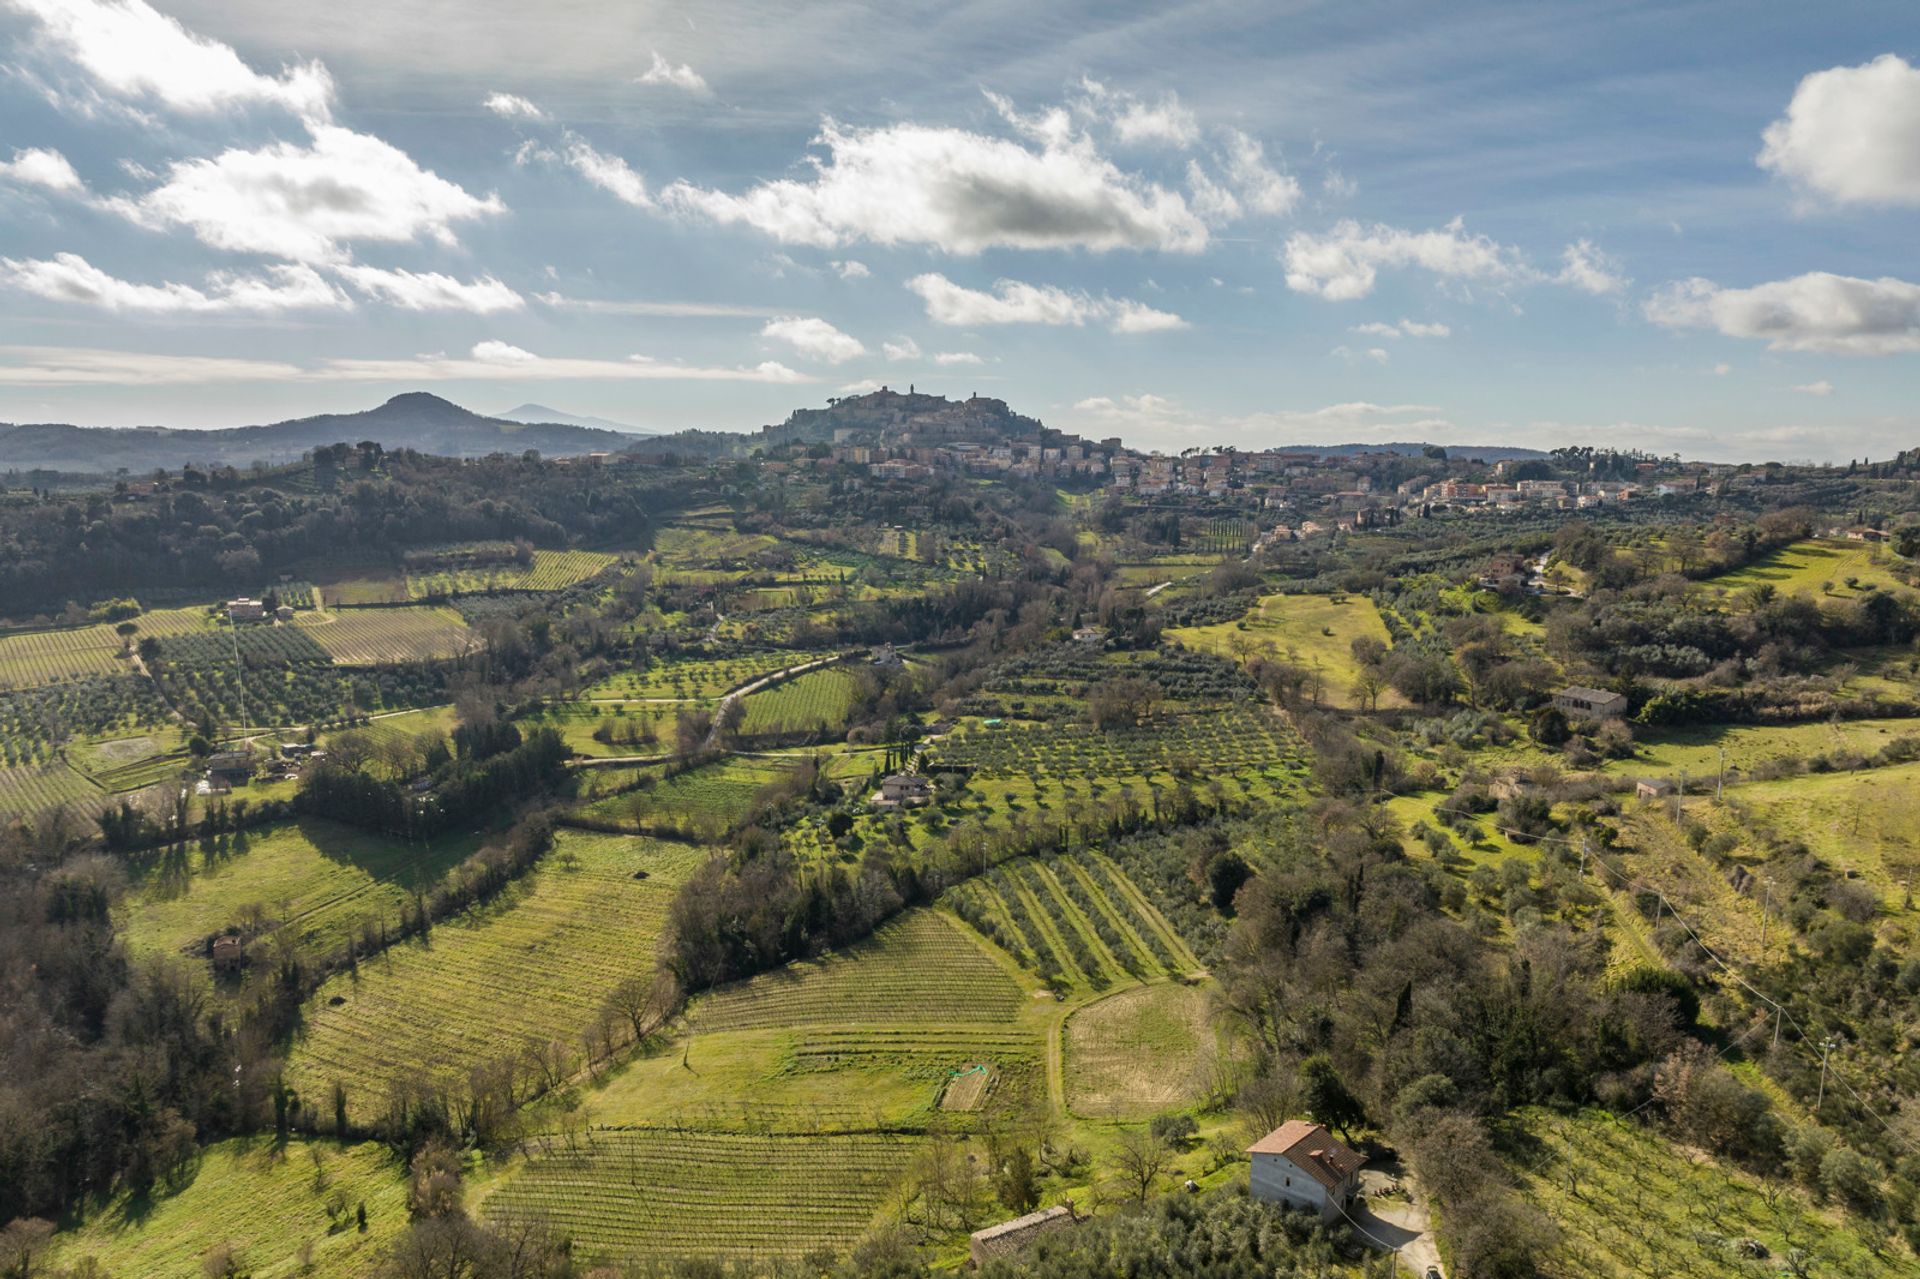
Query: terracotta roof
[{"x": 1312, "y": 1149}]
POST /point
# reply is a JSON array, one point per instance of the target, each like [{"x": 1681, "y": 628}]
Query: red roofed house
[{"x": 1300, "y": 1164}]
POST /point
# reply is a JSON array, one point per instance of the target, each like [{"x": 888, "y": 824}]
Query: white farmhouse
[{"x": 1301, "y": 1165}]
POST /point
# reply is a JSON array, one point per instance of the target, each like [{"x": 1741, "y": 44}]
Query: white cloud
[
  {"x": 672, "y": 76},
  {"x": 905, "y": 349},
  {"x": 1378, "y": 354},
  {"x": 959, "y": 191},
  {"x": 306, "y": 202},
  {"x": 431, "y": 291},
  {"x": 86, "y": 366},
  {"x": 1813, "y": 312},
  {"x": 1404, "y": 329},
  {"x": 1345, "y": 263},
  {"x": 1015, "y": 302},
  {"x": 1210, "y": 200},
  {"x": 852, "y": 270},
  {"x": 635, "y": 306},
  {"x": 813, "y": 338},
  {"x": 494, "y": 351},
  {"x": 608, "y": 172},
  {"x": 1821, "y": 388},
  {"x": 513, "y": 106},
  {"x": 133, "y": 51},
  {"x": 1261, "y": 187},
  {"x": 865, "y": 386},
  {"x": 957, "y": 357},
  {"x": 1163, "y": 121},
  {"x": 68, "y": 277},
  {"x": 1852, "y": 134},
  {"x": 40, "y": 167},
  {"x": 1586, "y": 268},
  {"x": 495, "y": 361},
  {"x": 1722, "y": 369}
]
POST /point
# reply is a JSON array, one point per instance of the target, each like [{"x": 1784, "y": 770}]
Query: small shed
[
  {"x": 1577, "y": 702},
  {"x": 228, "y": 953},
  {"x": 1653, "y": 788},
  {"x": 284, "y": 613},
  {"x": 1010, "y": 1237},
  {"x": 1301, "y": 1165}
]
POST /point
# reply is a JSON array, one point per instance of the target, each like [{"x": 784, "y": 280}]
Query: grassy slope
[{"x": 1295, "y": 628}]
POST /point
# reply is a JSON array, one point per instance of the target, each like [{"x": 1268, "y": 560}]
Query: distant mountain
[
  {"x": 415, "y": 420},
  {"x": 540, "y": 414}
]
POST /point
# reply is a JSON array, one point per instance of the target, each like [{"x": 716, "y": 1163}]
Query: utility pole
[
  {"x": 1766, "y": 909},
  {"x": 1720, "y": 787},
  {"x": 1826, "y": 1047}
]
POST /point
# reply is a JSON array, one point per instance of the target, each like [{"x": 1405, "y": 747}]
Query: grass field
[
  {"x": 691, "y": 548},
  {"x": 266, "y": 1200},
  {"x": 376, "y": 636},
  {"x": 1668, "y": 752},
  {"x": 1632, "y": 1204},
  {"x": 697, "y": 678},
  {"x": 1310, "y": 631},
  {"x": 317, "y": 877},
  {"x": 629, "y": 728},
  {"x": 819, "y": 698},
  {"x": 919, "y": 969},
  {"x": 534, "y": 966},
  {"x": 1814, "y": 567},
  {"x": 31, "y": 658},
  {"x": 703, "y": 802},
  {"x": 1139, "y": 1052},
  {"x": 1866, "y": 822},
  {"x": 35, "y": 788},
  {"x": 706, "y": 1194}
]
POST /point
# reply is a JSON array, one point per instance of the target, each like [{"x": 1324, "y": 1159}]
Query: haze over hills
[
  {"x": 427, "y": 423},
  {"x": 541, "y": 415}
]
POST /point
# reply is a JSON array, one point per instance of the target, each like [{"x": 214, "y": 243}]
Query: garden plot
[{"x": 1139, "y": 1052}]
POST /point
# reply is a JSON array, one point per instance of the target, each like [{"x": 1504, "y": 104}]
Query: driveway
[{"x": 1397, "y": 1223}]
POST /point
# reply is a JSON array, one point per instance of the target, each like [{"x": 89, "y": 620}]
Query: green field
[
  {"x": 532, "y": 967},
  {"x": 317, "y": 877},
  {"x": 374, "y": 636},
  {"x": 1310, "y": 631},
  {"x": 1630, "y": 1203},
  {"x": 266, "y": 1200},
  {"x": 1668, "y": 752},
  {"x": 1139, "y": 1052},
  {"x": 704, "y": 1194},
  {"x": 919, "y": 969},
  {"x": 704, "y": 802},
  {"x": 817, "y": 699},
  {"x": 1817, "y": 567},
  {"x": 1865, "y": 823},
  {"x": 697, "y": 678}
]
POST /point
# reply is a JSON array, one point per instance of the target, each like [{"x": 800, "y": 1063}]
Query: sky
[{"x": 1680, "y": 227}]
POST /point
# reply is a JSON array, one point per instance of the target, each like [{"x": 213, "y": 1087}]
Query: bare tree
[{"x": 1139, "y": 1161}]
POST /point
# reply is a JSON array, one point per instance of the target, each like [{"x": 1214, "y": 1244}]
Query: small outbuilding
[
  {"x": 1653, "y": 788},
  {"x": 1590, "y": 703},
  {"x": 1010, "y": 1237},
  {"x": 1301, "y": 1165}
]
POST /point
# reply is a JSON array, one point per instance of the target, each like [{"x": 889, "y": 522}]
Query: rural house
[
  {"x": 245, "y": 610},
  {"x": 234, "y": 768},
  {"x": 1301, "y": 1165},
  {"x": 1011, "y": 1236},
  {"x": 903, "y": 790},
  {"x": 1590, "y": 703}
]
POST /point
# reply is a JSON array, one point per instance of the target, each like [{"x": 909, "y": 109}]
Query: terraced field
[
  {"x": 706, "y": 1194},
  {"x": 919, "y": 969},
  {"x": 32, "y": 658},
  {"x": 316, "y": 877},
  {"x": 818, "y": 699},
  {"x": 36, "y": 788},
  {"x": 374, "y": 636},
  {"x": 535, "y": 966},
  {"x": 264, "y": 1198}
]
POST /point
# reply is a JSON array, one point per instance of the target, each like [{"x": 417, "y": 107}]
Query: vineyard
[
  {"x": 372, "y": 637},
  {"x": 36, "y": 788},
  {"x": 534, "y": 967},
  {"x": 1073, "y": 921},
  {"x": 549, "y": 571},
  {"x": 617, "y": 1192},
  {"x": 697, "y": 678},
  {"x": 816, "y": 700},
  {"x": 917, "y": 969},
  {"x": 315, "y": 877},
  {"x": 268, "y": 1198},
  {"x": 31, "y": 658},
  {"x": 1239, "y": 739}
]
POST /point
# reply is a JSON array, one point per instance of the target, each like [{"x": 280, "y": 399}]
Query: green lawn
[
  {"x": 1817, "y": 566},
  {"x": 270, "y": 1202},
  {"x": 1309, "y": 631}
]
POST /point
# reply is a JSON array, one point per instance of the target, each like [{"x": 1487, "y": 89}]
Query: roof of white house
[
  {"x": 1020, "y": 1225},
  {"x": 1312, "y": 1149}
]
